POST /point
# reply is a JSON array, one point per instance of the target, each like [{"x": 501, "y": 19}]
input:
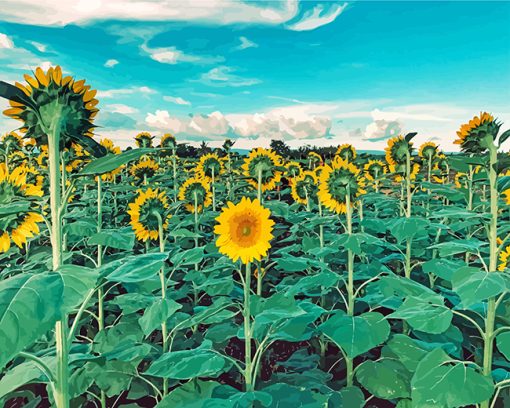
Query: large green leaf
[
  {"x": 119, "y": 238},
  {"x": 111, "y": 162},
  {"x": 156, "y": 313},
  {"x": 135, "y": 268},
  {"x": 503, "y": 342},
  {"x": 474, "y": 285},
  {"x": 24, "y": 373},
  {"x": 407, "y": 350},
  {"x": 440, "y": 383},
  {"x": 187, "y": 364},
  {"x": 386, "y": 379},
  {"x": 29, "y": 307},
  {"x": 112, "y": 376},
  {"x": 356, "y": 335},
  {"x": 78, "y": 281}
]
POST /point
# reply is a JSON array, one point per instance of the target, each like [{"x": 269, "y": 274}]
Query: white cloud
[
  {"x": 176, "y": 99},
  {"x": 38, "y": 46},
  {"x": 245, "y": 43},
  {"x": 317, "y": 17},
  {"x": 120, "y": 108},
  {"x": 172, "y": 55},
  {"x": 5, "y": 41},
  {"x": 63, "y": 12},
  {"x": 225, "y": 76},
  {"x": 113, "y": 93},
  {"x": 111, "y": 63}
]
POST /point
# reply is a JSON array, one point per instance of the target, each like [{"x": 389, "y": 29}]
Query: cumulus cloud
[
  {"x": 5, "y": 41},
  {"x": 111, "y": 63},
  {"x": 226, "y": 76},
  {"x": 317, "y": 17}
]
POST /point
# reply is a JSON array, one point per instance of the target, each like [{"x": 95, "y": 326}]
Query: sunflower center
[{"x": 245, "y": 230}]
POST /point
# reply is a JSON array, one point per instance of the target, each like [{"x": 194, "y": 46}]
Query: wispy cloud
[
  {"x": 245, "y": 43},
  {"x": 317, "y": 17},
  {"x": 111, "y": 63},
  {"x": 113, "y": 93},
  {"x": 226, "y": 76},
  {"x": 39, "y": 46},
  {"x": 121, "y": 108},
  {"x": 172, "y": 55},
  {"x": 176, "y": 99},
  {"x": 5, "y": 41}
]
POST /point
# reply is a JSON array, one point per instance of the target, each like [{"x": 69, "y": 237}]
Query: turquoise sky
[{"x": 316, "y": 73}]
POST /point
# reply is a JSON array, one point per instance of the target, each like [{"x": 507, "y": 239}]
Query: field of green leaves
[{"x": 184, "y": 278}]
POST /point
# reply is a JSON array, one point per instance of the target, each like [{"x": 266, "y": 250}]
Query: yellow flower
[
  {"x": 168, "y": 141},
  {"x": 504, "y": 256},
  {"x": 506, "y": 195},
  {"x": 336, "y": 182},
  {"x": 245, "y": 231},
  {"x": 208, "y": 166},
  {"x": 145, "y": 168},
  {"x": 13, "y": 141},
  {"x": 293, "y": 169},
  {"x": 472, "y": 135},
  {"x": 21, "y": 224},
  {"x": 112, "y": 149},
  {"x": 32, "y": 175},
  {"x": 315, "y": 159},
  {"x": 195, "y": 189},
  {"x": 397, "y": 150},
  {"x": 145, "y": 211},
  {"x": 263, "y": 162},
  {"x": 304, "y": 187},
  {"x": 42, "y": 158},
  {"x": 399, "y": 171},
  {"x": 346, "y": 151},
  {"x": 144, "y": 139},
  {"x": 374, "y": 169},
  {"x": 428, "y": 150}
]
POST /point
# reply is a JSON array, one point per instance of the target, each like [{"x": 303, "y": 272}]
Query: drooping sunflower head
[
  {"x": 504, "y": 257},
  {"x": 111, "y": 149},
  {"x": 476, "y": 135},
  {"x": 50, "y": 95},
  {"x": 346, "y": 151},
  {"x": 12, "y": 141},
  {"x": 339, "y": 181},
  {"x": 209, "y": 167},
  {"x": 168, "y": 141},
  {"x": 293, "y": 169},
  {"x": 304, "y": 187},
  {"x": 315, "y": 159},
  {"x": 397, "y": 150},
  {"x": 263, "y": 163},
  {"x": 374, "y": 169},
  {"x": 244, "y": 231},
  {"x": 19, "y": 220},
  {"x": 146, "y": 212},
  {"x": 441, "y": 164},
  {"x": 144, "y": 139},
  {"x": 195, "y": 191},
  {"x": 144, "y": 168},
  {"x": 428, "y": 150}
]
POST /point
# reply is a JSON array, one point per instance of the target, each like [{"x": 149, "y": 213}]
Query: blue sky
[{"x": 319, "y": 73}]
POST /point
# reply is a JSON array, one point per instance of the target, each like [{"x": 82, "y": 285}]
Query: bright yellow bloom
[
  {"x": 346, "y": 151},
  {"x": 504, "y": 256},
  {"x": 263, "y": 162},
  {"x": 245, "y": 231},
  {"x": 506, "y": 196},
  {"x": 195, "y": 189},
  {"x": 144, "y": 212},
  {"x": 472, "y": 134},
  {"x": 336, "y": 182}
]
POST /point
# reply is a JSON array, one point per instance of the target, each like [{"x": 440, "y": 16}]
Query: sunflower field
[{"x": 143, "y": 278}]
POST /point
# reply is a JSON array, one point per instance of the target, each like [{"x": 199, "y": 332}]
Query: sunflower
[
  {"x": 42, "y": 157},
  {"x": 18, "y": 222},
  {"x": 145, "y": 212},
  {"x": 144, "y": 169},
  {"x": 338, "y": 180},
  {"x": 399, "y": 171},
  {"x": 12, "y": 141},
  {"x": 476, "y": 135},
  {"x": 111, "y": 149},
  {"x": 314, "y": 159},
  {"x": 245, "y": 231},
  {"x": 346, "y": 151},
  {"x": 195, "y": 190},
  {"x": 304, "y": 187},
  {"x": 168, "y": 141},
  {"x": 209, "y": 167},
  {"x": 506, "y": 195},
  {"x": 428, "y": 150},
  {"x": 441, "y": 166},
  {"x": 397, "y": 150},
  {"x": 293, "y": 169},
  {"x": 262, "y": 162},
  {"x": 144, "y": 139},
  {"x": 374, "y": 169},
  {"x": 50, "y": 95},
  {"x": 32, "y": 175},
  {"x": 504, "y": 256},
  {"x": 17, "y": 158}
]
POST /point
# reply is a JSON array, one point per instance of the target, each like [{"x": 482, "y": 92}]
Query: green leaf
[
  {"x": 196, "y": 394},
  {"x": 290, "y": 263},
  {"x": 474, "y": 285},
  {"x": 444, "y": 268},
  {"x": 119, "y": 239},
  {"x": 187, "y": 364},
  {"x": 458, "y": 247},
  {"x": 386, "y": 379},
  {"x": 429, "y": 317},
  {"x": 111, "y": 162},
  {"x": 440, "y": 383},
  {"x": 78, "y": 281},
  {"x": 157, "y": 313},
  {"x": 29, "y": 307},
  {"x": 24, "y": 373},
  {"x": 112, "y": 376},
  {"x": 356, "y": 334},
  {"x": 407, "y": 228},
  {"x": 135, "y": 268},
  {"x": 188, "y": 257},
  {"x": 405, "y": 349},
  {"x": 503, "y": 342}
]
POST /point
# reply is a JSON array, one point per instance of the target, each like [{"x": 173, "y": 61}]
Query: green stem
[
  {"x": 247, "y": 330},
  {"x": 213, "y": 191},
  {"x": 100, "y": 303},
  {"x": 350, "y": 282},
  {"x": 259, "y": 185}
]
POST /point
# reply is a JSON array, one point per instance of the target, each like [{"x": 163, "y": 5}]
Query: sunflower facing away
[
  {"x": 428, "y": 150},
  {"x": 399, "y": 171},
  {"x": 168, "y": 141},
  {"x": 314, "y": 159},
  {"x": 304, "y": 187},
  {"x": 293, "y": 169},
  {"x": 195, "y": 189},
  {"x": 209, "y": 166},
  {"x": 504, "y": 257},
  {"x": 374, "y": 169},
  {"x": 19, "y": 223},
  {"x": 12, "y": 141},
  {"x": 338, "y": 180},
  {"x": 144, "y": 213},
  {"x": 245, "y": 231},
  {"x": 51, "y": 94},
  {"x": 144, "y": 168},
  {"x": 475, "y": 136},
  {"x": 397, "y": 150},
  {"x": 144, "y": 139},
  {"x": 346, "y": 151},
  {"x": 111, "y": 149},
  {"x": 262, "y": 162}
]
